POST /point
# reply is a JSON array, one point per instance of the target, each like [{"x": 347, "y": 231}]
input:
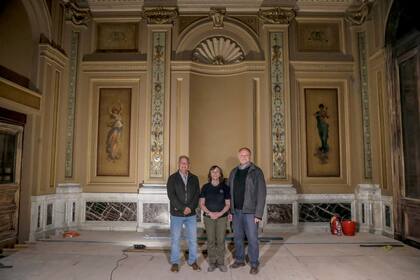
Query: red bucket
[{"x": 349, "y": 227}]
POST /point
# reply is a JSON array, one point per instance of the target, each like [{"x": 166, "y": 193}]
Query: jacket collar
[
  {"x": 251, "y": 167},
  {"x": 179, "y": 174}
]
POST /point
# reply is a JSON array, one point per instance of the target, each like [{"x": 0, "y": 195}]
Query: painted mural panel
[
  {"x": 117, "y": 37},
  {"x": 113, "y": 149},
  {"x": 322, "y": 132},
  {"x": 319, "y": 37}
]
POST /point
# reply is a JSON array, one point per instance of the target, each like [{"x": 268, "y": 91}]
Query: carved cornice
[
  {"x": 77, "y": 15},
  {"x": 357, "y": 14},
  {"x": 277, "y": 15},
  {"x": 209, "y": 69},
  {"x": 217, "y": 15},
  {"x": 160, "y": 15}
]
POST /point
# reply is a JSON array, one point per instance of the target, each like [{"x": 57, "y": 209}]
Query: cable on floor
[{"x": 117, "y": 264}]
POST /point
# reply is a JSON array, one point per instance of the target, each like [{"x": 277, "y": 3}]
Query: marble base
[
  {"x": 374, "y": 211},
  {"x": 153, "y": 207},
  {"x": 149, "y": 209}
]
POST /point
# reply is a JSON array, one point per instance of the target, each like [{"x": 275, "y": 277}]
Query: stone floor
[{"x": 94, "y": 255}]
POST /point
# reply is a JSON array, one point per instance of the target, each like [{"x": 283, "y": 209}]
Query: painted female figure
[
  {"x": 114, "y": 134},
  {"x": 323, "y": 127}
]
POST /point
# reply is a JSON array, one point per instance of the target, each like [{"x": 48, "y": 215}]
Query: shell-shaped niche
[{"x": 218, "y": 51}]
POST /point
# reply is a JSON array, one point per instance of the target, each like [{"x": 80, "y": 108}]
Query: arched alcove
[
  {"x": 21, "y": 24},
  {"x": 402, "y": 20},
  {"x": 223, "y": 91},
  {"x": 233, "y": 29},
  {"x": 17, "y": 48}
]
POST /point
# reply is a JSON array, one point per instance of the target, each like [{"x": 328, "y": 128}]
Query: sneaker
[
  {"x": 222, "y": 268},
  {"x": 237, "y": 264},
  {"x": 195, "y": 266},
  {"x": 211, "y": 268},
  {"x": 175, "y": 267}
]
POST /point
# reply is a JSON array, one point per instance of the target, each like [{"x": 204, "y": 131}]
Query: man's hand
[
  {"x": 257, "y": 220},
  {"x": 187, "y": 211}
]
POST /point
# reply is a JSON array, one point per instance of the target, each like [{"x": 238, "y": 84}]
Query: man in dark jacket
[
  {"x": 183, "y": 191},
  {"x": 248, "y": 194}
]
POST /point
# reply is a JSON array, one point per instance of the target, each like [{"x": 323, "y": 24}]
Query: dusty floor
[{"x": 94, "y": 255}]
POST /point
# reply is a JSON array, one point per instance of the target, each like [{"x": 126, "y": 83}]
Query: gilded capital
[
  {"x": 79, "y": 16},
  {"x": 277, "y": 15},
  {"x": 160, "y": 15},
  {"x": 358, "y": 13}
]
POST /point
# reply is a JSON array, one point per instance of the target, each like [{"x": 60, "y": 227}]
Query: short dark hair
[
  {"x": 246, "y": 149},
  {"x": 221, "y": 179},
  {"x": 184, "y": 157}
]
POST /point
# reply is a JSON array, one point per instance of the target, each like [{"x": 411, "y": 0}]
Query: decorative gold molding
[
  {"x": 277, "y": 15},
  {"x": 356, "y": 14},
  {"x": 77, "y": 15},
  {"x": 160, "y": 15},
  {"x": 217, "y": 15}
]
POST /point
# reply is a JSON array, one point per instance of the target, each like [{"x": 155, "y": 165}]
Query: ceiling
[{"x": 230, "y": 5}]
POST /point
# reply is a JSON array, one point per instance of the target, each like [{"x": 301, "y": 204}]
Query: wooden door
[
  {"x": 408, "y": 69},
  {"x": 10, "y": 162}
]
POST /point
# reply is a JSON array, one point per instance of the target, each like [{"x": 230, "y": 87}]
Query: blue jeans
[
  {"x": 244, "y": 225},
  {"x": 191, "y": 231}
]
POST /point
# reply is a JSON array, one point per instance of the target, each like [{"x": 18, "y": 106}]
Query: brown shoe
[
  {"x": 237, "y": 264},
  {"x": 195, "y": 266},
  {"x": 254, "y": 270},
  {"x": 175, "y": 267}
]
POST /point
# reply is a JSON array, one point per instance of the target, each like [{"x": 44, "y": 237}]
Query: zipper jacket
[{"x": 181, "y": 195}]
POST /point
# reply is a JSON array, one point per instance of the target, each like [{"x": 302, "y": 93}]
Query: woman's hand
[
  {"x": 230, "y": 217},
  {"x": 213, "y": 215}
]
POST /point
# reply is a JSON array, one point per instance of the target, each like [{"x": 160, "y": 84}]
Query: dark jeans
[
  {"x": 244, "y": 225},
  {"x": 216, "y": 231}
]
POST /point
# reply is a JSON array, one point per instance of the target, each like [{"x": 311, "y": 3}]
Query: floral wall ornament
[
  {"x": 71, "y": 102},
  {"x": 277, "y": 15},
  {"x": 218, "y": 51},
  {"x": 160, "y": 15},
  {"x": 358, "y": 13},
  {"x": 158, "y": 105},
  {"x": 77, "y": 15},
  {"x": 364, "y": 88},
  {"x": 217, "y": 15},
  {"x": 278, "y": 120}
]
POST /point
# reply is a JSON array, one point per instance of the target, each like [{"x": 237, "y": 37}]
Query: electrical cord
[{"x": 117, "y": 264}]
